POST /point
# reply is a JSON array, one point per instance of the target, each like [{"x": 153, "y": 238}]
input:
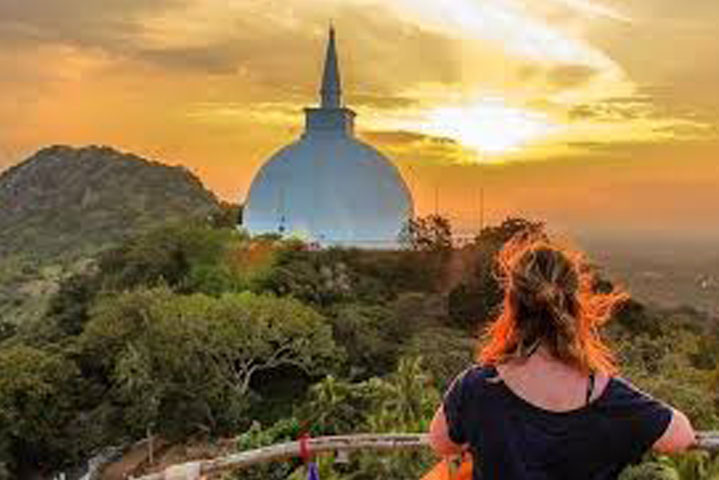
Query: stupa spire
[
  {"x": 331, "y": 85},
  {"x": 331, "y": 117}
]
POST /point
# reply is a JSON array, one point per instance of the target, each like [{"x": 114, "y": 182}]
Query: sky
[{"x": 600, "y": 117}]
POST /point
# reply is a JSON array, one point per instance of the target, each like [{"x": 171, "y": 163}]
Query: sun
[{"x": 488, "y": 126}]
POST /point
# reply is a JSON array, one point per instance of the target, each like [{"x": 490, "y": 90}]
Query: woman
[{"x": 545, "y": 402}]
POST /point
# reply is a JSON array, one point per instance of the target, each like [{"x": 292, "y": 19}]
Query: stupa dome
[{"x": 329, "y": 187}]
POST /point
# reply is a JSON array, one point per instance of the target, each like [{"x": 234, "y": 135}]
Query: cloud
[
  {"x": 595, "y": 9},
  {"x": 380, "y": 101},
  {"x": 670, "y": 53},
  {"x": 412, "y": 148},
  {"x": 613, "y": 110},
  {"x": 221, "y": 58},
  {"x": 403, "y": 137},
  {"x": 582, "y": 112},
  {"x": 512, "y": 26},
  {"x": 616, "y": 126},
  {"x": 570, "y": 76},
  {"x": 405, "y": 59},
  {"x": 679, "y": 14},
  {"x": 273, "y": 50},
  {"x": 77, "y": 22},
  {"x": 242, "y": 113}
]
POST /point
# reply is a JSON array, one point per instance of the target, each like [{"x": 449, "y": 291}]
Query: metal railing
[{"x": 708, "y": 441}]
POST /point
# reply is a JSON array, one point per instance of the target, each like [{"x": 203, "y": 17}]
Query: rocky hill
[{"x": 70, "y": 202}]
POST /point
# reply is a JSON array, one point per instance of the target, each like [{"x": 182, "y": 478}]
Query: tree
[
  {"x": 228, "y": 215},
  {"x": 477, "y": 298},
  {"x": 35, "y": 404},
  {"x": 472, "y": 302},
  {"x": 7, "y": 330},
  {"x": 636, "y": 319},
  {"x": 186, "y": 362},
  {"x": 160, "y": 255},
  {"x": 403, "y": 401},
  {"x": 115, "y": 322},
  {"x": 335, "y": 407},
  {"x": 68, "y": 308},
  {"x": 696, "y": 465},
  {"x": 186, "y": 257},
  {"x": 496, "y": 236},
  {"x": 369, "y": 336},
  {"x": 650, "y": 471},
  {"x": 316, "y": 277},
  {"x": 445, "y": 351},
  {"x": 662, "y": 366},
  {"x": 430, "y": 234},
  {"x": 409, "y": 401}
]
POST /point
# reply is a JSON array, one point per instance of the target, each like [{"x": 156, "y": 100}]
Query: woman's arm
[
  {"x": 679, "y": 435},
  {"x": 439, "y": 436}
]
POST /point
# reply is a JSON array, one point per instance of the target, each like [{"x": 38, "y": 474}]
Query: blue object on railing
[{"x": 312, "y": 472}]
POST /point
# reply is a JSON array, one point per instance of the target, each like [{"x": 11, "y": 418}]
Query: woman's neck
[
  {"x": 547, "y": 382},
  {"x": 542, "y": 360}
]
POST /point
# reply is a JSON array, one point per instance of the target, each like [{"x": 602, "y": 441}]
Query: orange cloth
[{"x": 447, "y": 470}]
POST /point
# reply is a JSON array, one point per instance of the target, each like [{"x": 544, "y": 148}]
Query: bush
[
  {"x": 369, "y": 336},
  {"x": 446, "y": 352},
  {"x": 649, "y": 471},
  {"x": 36, "y": 405},
  {"x": 68, "y": 308},
  {"x": 186, "y": 257}
]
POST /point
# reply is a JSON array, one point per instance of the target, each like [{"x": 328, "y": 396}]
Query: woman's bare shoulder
[{"x": 601, "y": 383}]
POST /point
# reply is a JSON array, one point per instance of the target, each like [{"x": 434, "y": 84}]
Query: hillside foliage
[
  {"x": 66, "y": 201},
  {"x": 63, "y": 206},
  {"x": 194, "y": 329}
]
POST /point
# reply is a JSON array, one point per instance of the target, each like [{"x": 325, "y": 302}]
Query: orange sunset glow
[{"x": 599, "y": 116}]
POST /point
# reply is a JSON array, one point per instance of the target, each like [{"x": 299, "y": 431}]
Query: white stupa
[{"x": 329, "y": 187}]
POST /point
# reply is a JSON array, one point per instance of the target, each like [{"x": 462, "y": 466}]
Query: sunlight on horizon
[{"x": 489, "y": 126}]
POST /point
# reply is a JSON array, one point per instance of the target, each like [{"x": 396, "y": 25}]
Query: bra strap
[{"x": 590, "y": 387}]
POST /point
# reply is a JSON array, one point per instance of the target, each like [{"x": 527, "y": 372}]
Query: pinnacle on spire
[{"x": 331, "y": 85}]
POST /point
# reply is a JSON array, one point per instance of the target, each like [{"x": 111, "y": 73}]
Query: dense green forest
[{"x": 195, "y": 330}]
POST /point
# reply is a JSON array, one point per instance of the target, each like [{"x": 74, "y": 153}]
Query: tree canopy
[{"x": 194, "y": 356}]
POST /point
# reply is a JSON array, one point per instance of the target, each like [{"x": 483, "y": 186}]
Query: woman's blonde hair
[{"x": 550, "y": 298}]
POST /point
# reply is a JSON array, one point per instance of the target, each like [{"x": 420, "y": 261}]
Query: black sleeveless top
[{"x": 512, "y": 439}]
